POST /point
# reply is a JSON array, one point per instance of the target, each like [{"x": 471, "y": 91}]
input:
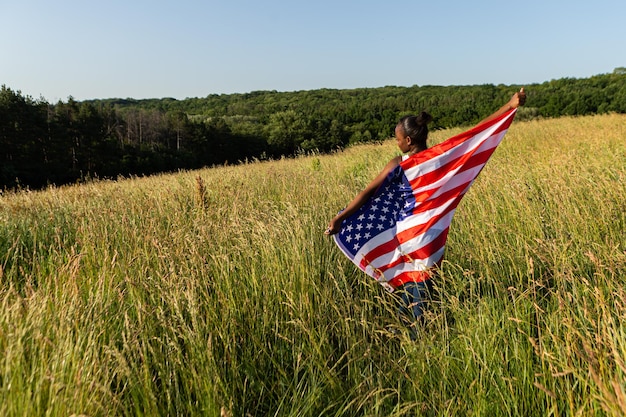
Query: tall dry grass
[{"x": 215, "y": 291}]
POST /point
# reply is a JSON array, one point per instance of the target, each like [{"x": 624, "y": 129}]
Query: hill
[{"x": 215, "y": 291}]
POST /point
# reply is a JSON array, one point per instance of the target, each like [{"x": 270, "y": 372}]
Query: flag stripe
[
  {"x": 439, "y": 175},
  {"x": 418, "y": 256},
  {"x": 488, "y": 129},
  {"x": 388, "y": 253}
]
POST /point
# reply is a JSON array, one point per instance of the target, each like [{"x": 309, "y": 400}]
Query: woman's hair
[{"x": 416, "y": 127}]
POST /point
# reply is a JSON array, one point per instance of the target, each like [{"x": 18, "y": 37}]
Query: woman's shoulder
[
  {"x": 394, "y": 162},
  {"x": 391, "y": 165}
]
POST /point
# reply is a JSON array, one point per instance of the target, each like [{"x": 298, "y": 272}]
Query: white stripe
[
  {"x": 462, "y": 148},
  {"x": 414, "y": 243},
  {"x": 423, "y": 217},
  {"x": 489, "y": 144},
  {"x": 401, "y": 226},
  {"x": 416, "y": 265},
  {"x": 465, "y": 177}
]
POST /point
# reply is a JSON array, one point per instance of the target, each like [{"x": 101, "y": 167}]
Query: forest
[{"x": 44, "y": 143}]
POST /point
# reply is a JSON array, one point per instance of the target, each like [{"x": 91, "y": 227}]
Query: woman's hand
[
  {"x": 333, "y": 227},
  {"x": 518, "y": 99}
]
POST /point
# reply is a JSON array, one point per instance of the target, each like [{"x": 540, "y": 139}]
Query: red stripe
[
  {"x": 471, "y": 159},
  {"x": 501, "y": 128},
  {"x": 412, "y": 276},
  {"x": 452, "y": 194},
  {"x": 422, "y": 253},
  {"x": 457, "y": 140},
  {"x": 424, "y": 198},
  {"x": 402, "y": 237}
]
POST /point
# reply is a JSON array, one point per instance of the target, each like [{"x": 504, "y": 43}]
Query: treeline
[{"x": 43, "y": 143}]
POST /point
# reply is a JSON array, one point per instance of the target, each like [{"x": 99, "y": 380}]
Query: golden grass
[{"x": 215, "y": 291}]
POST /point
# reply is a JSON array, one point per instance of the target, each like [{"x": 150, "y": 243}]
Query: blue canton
[{"x": 392, "y": 202}]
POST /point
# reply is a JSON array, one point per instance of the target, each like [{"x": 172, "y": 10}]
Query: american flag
[{"x": 399, "y": 235}]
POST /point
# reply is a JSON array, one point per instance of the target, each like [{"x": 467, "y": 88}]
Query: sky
[{"x": 182, "y": 49}]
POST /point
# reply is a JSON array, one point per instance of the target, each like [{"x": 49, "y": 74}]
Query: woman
[{"x": 411, "y": 134}]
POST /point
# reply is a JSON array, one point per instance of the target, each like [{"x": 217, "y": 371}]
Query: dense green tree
[
  {"x": 286, "y": 130},
  {"x": 23, "y": 132}
]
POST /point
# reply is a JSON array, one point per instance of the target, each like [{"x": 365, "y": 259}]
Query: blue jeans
[{"x": 414, "y": 297}]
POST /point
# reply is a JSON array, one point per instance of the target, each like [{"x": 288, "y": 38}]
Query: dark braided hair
[{"x": 416, "y": 127}]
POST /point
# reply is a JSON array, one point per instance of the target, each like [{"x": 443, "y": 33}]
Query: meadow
[{"x": 215, "y": 292}]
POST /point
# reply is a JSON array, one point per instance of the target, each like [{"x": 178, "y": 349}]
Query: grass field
[{"x": 215, "y": 292}]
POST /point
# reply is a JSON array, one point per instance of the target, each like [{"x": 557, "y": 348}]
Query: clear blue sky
[{"x": 183, "y": 48}]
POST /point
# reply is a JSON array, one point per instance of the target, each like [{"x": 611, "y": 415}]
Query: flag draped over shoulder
[{"x": 401, "y": 232}]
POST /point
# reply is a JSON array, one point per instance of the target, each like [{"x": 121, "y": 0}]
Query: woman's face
[{"x": 402, "y": 139}]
